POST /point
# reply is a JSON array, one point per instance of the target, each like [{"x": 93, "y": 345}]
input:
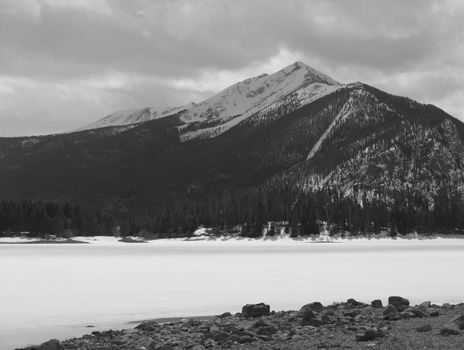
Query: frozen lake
[{"x": 56, "y": 290}]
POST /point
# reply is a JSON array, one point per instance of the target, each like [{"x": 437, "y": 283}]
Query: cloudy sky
[{"x": 66, "y": 63}]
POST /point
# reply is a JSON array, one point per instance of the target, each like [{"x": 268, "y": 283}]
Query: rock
[
  {"x": 390, "y": 309},
  {"x": 148, "y": 326},
  {"x": 315, "y": 306},
  {"x": 458, "y": 321},
  {"x": 51, "y": 345},
  {"x": 449, "y": 330},
  {"x": 256, "y": 310},
  {"x": 369, "y": 334},
  {"x": 391, "y": 313},
  {"x": 333, "y": 307},
  {"x": 434, "y": 313},
  {"x": 424, "y": 328},
  {"x": 377, "y": 303},
  {"x": 351, "y": 313},
  {"x": 315, "y": 322},
  {"x": 306, "y": 315},
  {"x": 225, "y": 314},
  {"x": 259, "y": 323},
  {"x": 352, "y": 302},
  {"x": 399, "y": 303},
  {"x": 120, "y": 341},
  {"x": 425, "y": 304},
  {"x": 219, "y": 336},
  {"x": 245, "y": 339},
  {"x": 342, "y": 320},
  {"x": 266, "y": 331},
  {"x": 417, "y": 312},
  {"x": 326, "y": 319}
]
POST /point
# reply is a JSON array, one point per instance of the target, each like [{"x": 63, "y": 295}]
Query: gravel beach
[{"x": 345, "y": 325}]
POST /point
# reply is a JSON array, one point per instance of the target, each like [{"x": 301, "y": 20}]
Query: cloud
[{"x": 75, "y": 61}]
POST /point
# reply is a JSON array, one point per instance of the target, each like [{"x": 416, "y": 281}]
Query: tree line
[{"x": 360, "y": 211}]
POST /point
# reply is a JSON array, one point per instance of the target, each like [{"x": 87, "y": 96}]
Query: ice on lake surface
[{"x": 54, "y": 291}]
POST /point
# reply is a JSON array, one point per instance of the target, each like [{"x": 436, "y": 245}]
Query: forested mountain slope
[{"x": 313, "y": 141}]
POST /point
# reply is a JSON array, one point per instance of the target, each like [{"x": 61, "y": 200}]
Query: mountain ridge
[
  {"x": 349, "y": 141},
  {"x": 231, "y": 105}
]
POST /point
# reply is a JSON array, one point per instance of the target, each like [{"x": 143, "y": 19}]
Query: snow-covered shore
[{"x": 279, "y": 240}]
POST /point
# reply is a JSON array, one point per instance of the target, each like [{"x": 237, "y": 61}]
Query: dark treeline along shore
[{"x": 244, "y": 213}]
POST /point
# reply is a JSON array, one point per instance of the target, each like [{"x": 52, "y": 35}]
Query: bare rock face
[
  {"x": 256, "y": 310},
  {"x": 377, "y": 303}
]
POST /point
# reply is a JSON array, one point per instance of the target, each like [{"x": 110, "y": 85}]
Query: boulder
[
  {"x": 326, "y": 319},
  {"x": 434, "y": 313},
  {"x": 256, "y": 310},
  {"x": 306, "y": 315},
  {"x": 148, "y": 326},
  {"x": 245, "y": 339},
  {"x": 315, "y": 306},
  {"x": 377, "y": 303},
  {"x": 450, "y": 329},
  {"x": 416, "y": 312},
  {"x": 266, "y": 331},
  {"x": 390, "y": 309},
  {"x": 219, "y": 336},
  {"x": 424, "y": 328},
  {"x": 399, "y": 303},
  {"x": 51, "y": 345},
  {"x": 369, "y": 334},
  {"x": 394, "y": 317},
  {"x": 315, "y": 322},
  {"x": 425, "y": 304},
  {"x": 353, "y": 302},
  {"x": 351, "y": 313},
  {"x": 459, "y": 321}
]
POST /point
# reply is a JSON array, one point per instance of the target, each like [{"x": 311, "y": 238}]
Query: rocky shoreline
[{"x": 346, "y": 325}]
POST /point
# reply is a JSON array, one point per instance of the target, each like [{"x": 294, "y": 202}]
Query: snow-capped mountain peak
[
  {"x": 241, "y": 100},
  {"x": 236, "y": 103},
  {"x": 134, "y": 116}
]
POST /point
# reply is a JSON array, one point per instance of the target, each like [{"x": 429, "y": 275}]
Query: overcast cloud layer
[{"x": 66, "y": 63}]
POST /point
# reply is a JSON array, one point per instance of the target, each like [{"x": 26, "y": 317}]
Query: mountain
[
  {"x": 234, "y": 104},
  {"x": 271, "y": 147},
  {"x": 132, "y": 116}
]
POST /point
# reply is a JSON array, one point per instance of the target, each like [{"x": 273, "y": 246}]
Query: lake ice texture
[{"x": 55, "y": 290}]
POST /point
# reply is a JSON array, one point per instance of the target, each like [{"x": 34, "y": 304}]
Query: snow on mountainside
[
  {"x": 236, "y": 103},
  {"x": 133, "y": 116},
  {"x": 240, "y": 101}
]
